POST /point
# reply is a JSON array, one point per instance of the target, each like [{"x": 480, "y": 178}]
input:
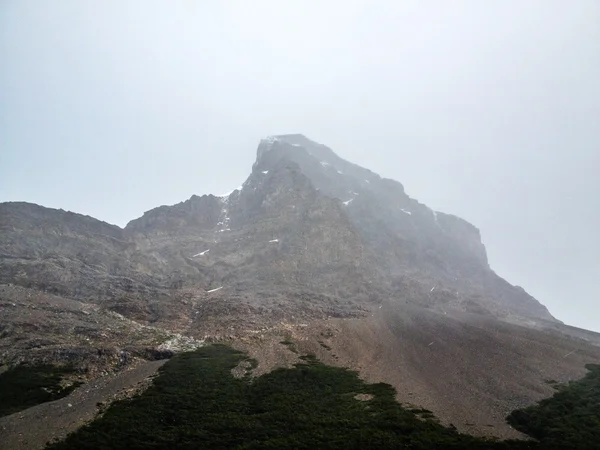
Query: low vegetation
[
  {"x": 22, "y": 387},
  {"x": 195, "y": 402},
  {"x": 568, "y": 420}
]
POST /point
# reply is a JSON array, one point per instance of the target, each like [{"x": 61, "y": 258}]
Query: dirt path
[{"x": 33, "y": 428}]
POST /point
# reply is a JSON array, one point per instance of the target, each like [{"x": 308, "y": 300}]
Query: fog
[{"x": 487, "y": 110}]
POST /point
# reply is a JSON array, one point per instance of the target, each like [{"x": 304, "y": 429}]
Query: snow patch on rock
[
  {"x": 216, "y": 289},
  {"x": 224, "y": 218}
]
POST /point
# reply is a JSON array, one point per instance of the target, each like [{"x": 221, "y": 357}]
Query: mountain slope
[{"x": 311, "y": 248}]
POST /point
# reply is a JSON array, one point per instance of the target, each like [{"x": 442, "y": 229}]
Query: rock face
[
  {"x": 60, "y": 251},
  {"x": 425, "y": 256},
  {"x": 277, "y": 231},
  {"x": 308, "y": 235}
]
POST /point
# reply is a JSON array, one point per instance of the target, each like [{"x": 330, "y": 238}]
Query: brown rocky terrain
[
  {"x": 469, "y": 370},
  {"x": 311, "y": 248}
]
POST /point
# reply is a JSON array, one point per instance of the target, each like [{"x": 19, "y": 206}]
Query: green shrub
[
  {"x": 569, "y": 419},
  {"x": 195, "y": 402},
  {"x": 22, "y": 387}
]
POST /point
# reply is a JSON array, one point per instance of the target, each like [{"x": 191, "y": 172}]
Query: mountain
[
  {"x": 305, "y": 223},
  {"x": 311, "y": 248}
]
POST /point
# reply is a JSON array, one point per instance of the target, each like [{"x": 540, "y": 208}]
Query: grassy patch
[
  {"x": 569, "y": 419},
  {"x": 22, "y": 387},
  {"x": 290, "y": 345},
  {"x": 195, "y": 402},
  {"x": 324, "y": 345}
]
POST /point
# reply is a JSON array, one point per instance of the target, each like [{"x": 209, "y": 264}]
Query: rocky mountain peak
[
  {"x": 407, "y": 240},
  {"x": 305, "y": 223}
]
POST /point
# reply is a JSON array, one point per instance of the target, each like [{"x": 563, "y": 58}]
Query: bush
[
  {"x": 22, "y": 387},
  {"x": 195, "y": 402},
  {"x": 569, "y": 419}
]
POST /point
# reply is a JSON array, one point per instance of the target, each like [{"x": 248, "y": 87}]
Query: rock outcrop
[{"x": 308, "y": 235}]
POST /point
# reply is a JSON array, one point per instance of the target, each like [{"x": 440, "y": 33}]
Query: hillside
[{"x": 310, "y": 248}]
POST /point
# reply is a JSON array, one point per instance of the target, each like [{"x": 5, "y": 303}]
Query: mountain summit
[
  {"x": 308, "y": 235},
  {"x": 431, "y": 258}
]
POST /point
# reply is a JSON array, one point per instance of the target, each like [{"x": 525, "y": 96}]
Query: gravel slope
[{"x": 33, "y": 428}]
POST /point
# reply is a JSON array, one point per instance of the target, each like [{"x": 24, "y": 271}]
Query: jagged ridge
[{"x": 305, "y": 221}]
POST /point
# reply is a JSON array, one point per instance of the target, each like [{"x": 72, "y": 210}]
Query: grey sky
[{"x": 488, "y": 110}]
